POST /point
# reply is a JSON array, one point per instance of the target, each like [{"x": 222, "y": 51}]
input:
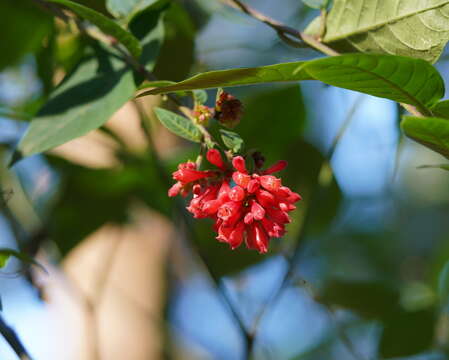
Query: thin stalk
[{"x": 13, "y": 340}]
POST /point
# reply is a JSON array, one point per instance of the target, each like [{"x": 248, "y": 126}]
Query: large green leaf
[
  {"x": 178, "y": 125},
  {"x": 85, "y": 101},
  {"x": 96, "y": 89},
  {"x": 123, "y": 8},
  {"x": 106, "y": 25},
  {"x": 402, "y": 79},
  {"x": 431, "y": 132},
  {"x": 412, "y": 28},
  {"x": 234, "y": 77},
  {"x": 18, "y": 37}
]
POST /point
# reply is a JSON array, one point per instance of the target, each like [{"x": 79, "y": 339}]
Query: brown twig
[
  {"x": 281, "y": 28},
  {"x": 13, "y": 340}
]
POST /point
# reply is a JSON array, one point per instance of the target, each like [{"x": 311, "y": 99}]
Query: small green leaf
[
  {"x": 316, "y": 4},
  {"x": 200, "y": 96},
  {"x": 431, "y": 132},
  {"x": 5, "y": 254},
  {"x": 441, "y": 109},
  {"x": 124, "y": 8},
  {"x": 232, "y": 140},
  {"x": 106, "y": 25},
  {"x": 398, "y": 78},
  {"x": 234, "y": 77},
  {"x": 439, "y": 166},
  {"x": 178, "y": 125},
  {"x": 4, "y": 257}
]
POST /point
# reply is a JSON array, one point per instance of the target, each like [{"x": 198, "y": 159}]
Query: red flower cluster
[{"x": 251, "y": 207}]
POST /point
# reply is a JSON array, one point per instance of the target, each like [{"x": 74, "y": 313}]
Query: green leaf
[
  {"x": 232, "y": 140},
  {"x": 369, "y": 299},
  {"x": 106, "y": 25},
  {"x": 178, "y": 125},
  {"x": 417, "y": 29},
  {"x": 234, "y": 77},
  {"x": 441, "y": 109},
  {"x": 5, "y": 254},
  {"x": 124, "y": 8},
  {"x": 99, "y": 86},
  {"x": 94, "y": 91},
  {"x": 398, "y": 78},
  {"x": 200, "y": 96},
  {"x": 407, "y": 333},
  {"x": 316, "y": 4},
  {"x": 440, "y": 166},
  {"x": 18, "y": 37},
  {"x": 431, "y": 132},
  {"x": 180, "y": 33},
  {"x": 443, "y": 286},
  {"x": 402, "y": 79}
]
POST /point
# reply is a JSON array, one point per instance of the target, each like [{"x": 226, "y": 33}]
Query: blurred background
[{"x": 127, "y": 279}]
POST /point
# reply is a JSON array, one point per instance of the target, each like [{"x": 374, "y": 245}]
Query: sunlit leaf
[
  {"x": 245, "y": 76},
  {"x": 402, "y": 79},
  {"x": 417, "y": 29},
  {"x": 178, "y": 125},
  {"x": 398, "y": 78},
  {"x": 430, "y": 132}
]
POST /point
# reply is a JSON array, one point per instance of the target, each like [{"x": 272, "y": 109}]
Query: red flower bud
[
  {"x": 280, "y": 165},
  {"x": 239, "y": 164},
  {"x": 241, "y": 179},
  {"x": 214, "y": 157},
  {"x": 270, "y": 182},
  {"x": 237, "y": 193}
]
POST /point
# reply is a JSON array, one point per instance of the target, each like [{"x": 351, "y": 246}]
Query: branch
[
  {"x": 281, "y": 28},
  {"x": 13, "y": 340}
]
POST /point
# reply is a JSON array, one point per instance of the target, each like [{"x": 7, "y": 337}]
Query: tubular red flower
[
  {"x": 175, "y": 189},
  {"x": 270, "y": 182},
  {"x": 257, "y": 210},
  {"x": 236, "y": 236},
  {"x": 280, "y": 165},
  {"x": 237, "y": 193},
  {"x": 239, "y": 164},
  {"x": 254, "y": 210},
  {"x": 241, "y": 179},
  {"x": 187, "y": 175},
  {"x": 214, "y": 157}
]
